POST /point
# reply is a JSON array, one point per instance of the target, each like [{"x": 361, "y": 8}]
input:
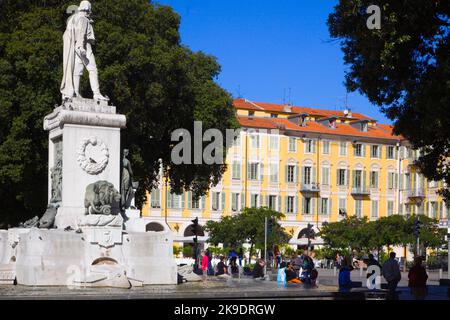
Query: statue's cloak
[{"x": 67, "y": 85}]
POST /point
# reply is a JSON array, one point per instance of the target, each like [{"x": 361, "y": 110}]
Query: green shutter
[
  {"x": 189, "y": 200},
  {"x": 286, "y": 204},
  {"x": 169, "y": 202},
  {"x": 363, "y": 179},
  {"x": 295, "y": 205},
  {"x": 314, "y": 174},
  {"x": 261, "y": 171},
  {"x": 286, "y": 173},
  {"x": 353, "y": 178},
  {"x": 279, "y": 203},
  {"x": 303, "y": 205},
  {"x": 223, "y": 194}
]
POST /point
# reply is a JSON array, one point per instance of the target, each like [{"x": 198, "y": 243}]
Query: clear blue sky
[{"x": 267, "y": 47}]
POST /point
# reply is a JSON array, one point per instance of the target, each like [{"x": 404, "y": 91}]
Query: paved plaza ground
[{"x": 244, "y": 288}]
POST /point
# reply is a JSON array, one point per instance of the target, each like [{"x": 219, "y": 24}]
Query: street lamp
[{"x": 195, "y": 232}]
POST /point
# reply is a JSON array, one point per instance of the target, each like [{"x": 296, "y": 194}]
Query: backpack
[
  {"x": 180, "y": 279},
  {"x": 281, "y": 276}
]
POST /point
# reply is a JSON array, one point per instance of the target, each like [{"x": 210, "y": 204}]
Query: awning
[
  {"x": 190, "y": 239},
  {"x": 304, "y": 241}
]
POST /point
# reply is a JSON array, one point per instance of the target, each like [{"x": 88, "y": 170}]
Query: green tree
[
  {"x": 252, "y": 222},
  {"x": 158, "y": 83},
  {"x": 247, "y": 227},
  {"x": 188, "y": 251},
  {"x": 227, "y": 231},
  {"x": 431, "y": 236},
  {"x": 351, "y": 233},
  {"x": 404, "y": 68}
]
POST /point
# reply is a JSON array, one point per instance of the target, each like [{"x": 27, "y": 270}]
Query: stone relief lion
[{"x": 101, "y": 198}]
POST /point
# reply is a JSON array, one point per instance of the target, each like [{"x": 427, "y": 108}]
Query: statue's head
[
  {"x": 85, "y": 6},
  {"x": 126, "y": 152}
]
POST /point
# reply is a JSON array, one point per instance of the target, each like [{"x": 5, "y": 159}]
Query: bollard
[
  {"x": 360, "y": 271},
  {"x": 334, "y": 271},
  {"x": 440, "y": 274}
]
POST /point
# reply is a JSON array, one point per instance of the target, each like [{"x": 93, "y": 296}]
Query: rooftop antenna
[
  {"x": 289, "y": 100},
  {"x": 239, "y": 91},
  {"x": 347, "y": 110},
  {"x": 284, "y": 96}
]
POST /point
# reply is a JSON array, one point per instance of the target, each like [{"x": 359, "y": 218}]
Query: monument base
[{"x": 67, "y": 258}]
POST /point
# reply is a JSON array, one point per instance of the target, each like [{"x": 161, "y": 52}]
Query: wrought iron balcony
[
  {"x": 310, "y": 187},
  {"x": 416, "y": 193},
  {"x": 361, "y": 191}
]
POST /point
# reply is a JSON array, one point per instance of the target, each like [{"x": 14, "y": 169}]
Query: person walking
[
  {"x": 344, "y": 279},
  {"x": 391, "y": 272},
  {"x": 204, "y": 265},
  {"x": 338, "y": 260},
  {"x": 418, "y": 280}
]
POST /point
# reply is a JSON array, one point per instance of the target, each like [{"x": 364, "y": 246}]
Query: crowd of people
[
  {"x": 417, "y": 275},
  {"x": 300, "y": 269}
]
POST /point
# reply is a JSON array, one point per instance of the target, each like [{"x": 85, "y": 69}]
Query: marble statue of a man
[{"x": 78, "y": 39}]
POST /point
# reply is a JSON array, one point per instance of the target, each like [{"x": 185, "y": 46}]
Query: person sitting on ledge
[
  {"x": 222, "y": 270},
  {"x": 291, "y": 275},
  {"x": 258, "y": 270},
  {"x": 345, "y": 281}
]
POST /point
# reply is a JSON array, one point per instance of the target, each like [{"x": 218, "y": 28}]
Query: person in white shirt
[{"x": 391, "y": 272}]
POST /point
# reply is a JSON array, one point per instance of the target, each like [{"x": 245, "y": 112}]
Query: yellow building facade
[{"x": 312, "y": 165}]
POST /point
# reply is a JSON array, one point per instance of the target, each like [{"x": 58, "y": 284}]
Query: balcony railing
[
  {"x": 310, "y": 187},
  {"x": 415, "y": 193},
  {"x": 361, "y": 191}
]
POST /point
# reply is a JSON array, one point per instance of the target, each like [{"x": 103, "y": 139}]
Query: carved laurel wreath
[{"x": 88, "y": 165}]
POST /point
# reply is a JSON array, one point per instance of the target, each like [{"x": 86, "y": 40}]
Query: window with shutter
[
  {"x": 236, "y": 170},
  {"x": 343, "y": 148},
  {"x": 374, "y": 209},
  {"x": 273, "y": 172},
  {"x": 223, "y": 196},
  {"x": 215, "y": 201},
  {"x": 292, "y": 145}
]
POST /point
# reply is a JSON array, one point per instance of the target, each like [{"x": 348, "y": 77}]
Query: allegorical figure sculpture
[
  {"x": 56, "y": 177},
  {"x": 126, "y": 187},
  {"x": 78, "y": 39}
]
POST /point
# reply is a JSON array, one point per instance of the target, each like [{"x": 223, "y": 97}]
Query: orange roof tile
[
  {"x": 264, "y": 106},
  {"x": 343, "y": 129}
]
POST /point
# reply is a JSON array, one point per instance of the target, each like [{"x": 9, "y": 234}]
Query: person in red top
[
  {"x": 418, "y": 280},
  {"x": 205, "y": 262}
]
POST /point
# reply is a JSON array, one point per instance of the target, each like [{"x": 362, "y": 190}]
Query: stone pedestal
[
  {"x": 84, "y": 135},
  {"x": 58, "y": 258},
  {"x": 84, "y": 150}
]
